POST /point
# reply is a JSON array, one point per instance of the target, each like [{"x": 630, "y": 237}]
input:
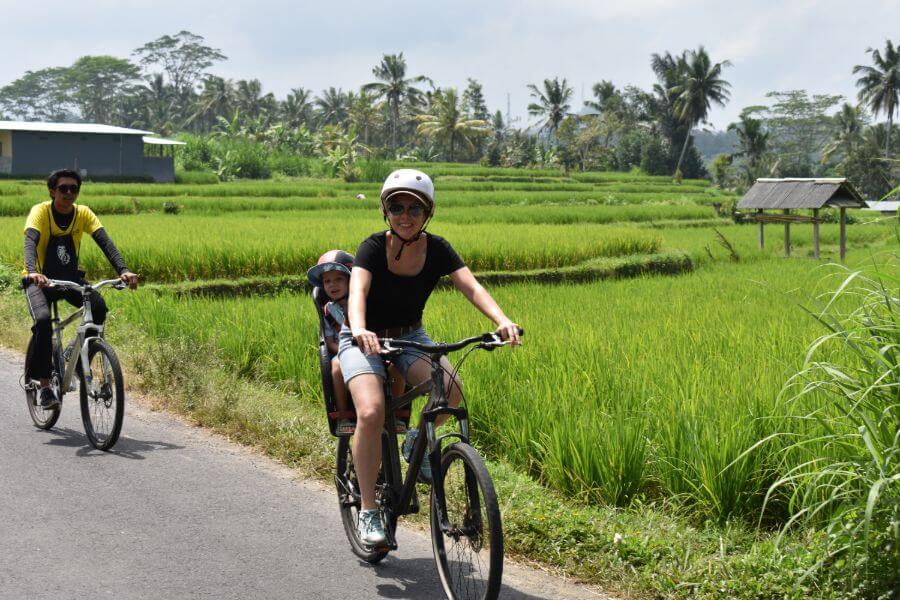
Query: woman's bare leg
[{"x": 368, "y": 397}]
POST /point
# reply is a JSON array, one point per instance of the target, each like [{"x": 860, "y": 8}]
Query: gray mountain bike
[{"x": 89, "y": 357}]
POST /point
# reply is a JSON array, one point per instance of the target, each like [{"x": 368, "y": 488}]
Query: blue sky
[{"x": 810, "y": 44}]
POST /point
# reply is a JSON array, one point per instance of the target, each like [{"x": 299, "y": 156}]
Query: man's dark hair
[{"x": 55, "y": 176}]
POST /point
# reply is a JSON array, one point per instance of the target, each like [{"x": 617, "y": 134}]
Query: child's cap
[{"x": 333, "y": 260}]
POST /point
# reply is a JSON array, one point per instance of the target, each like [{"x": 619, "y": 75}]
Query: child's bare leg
[{"x": 340, "y": 389}]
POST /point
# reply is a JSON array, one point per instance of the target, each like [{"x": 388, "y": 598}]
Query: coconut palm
[
  {"x": 699, "y": 86},
  {"x": 332, "y": 105},
  {"x": 880, "y": 85},
  {"x": 250, "y": 100},
  {"x": 296, "y": 110},
  {"x": 849, "y": 123},
  {"x": 216, "y": 99},
  {"x": 364, "y": 114},
  {"x": 448, "y": 123},
  {"x": 753, "y": 140},
  {"x": 552, "y": 103},
  {"x": 395, "y": 88}
]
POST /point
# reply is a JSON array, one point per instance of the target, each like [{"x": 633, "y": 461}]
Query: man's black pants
[{"x": 37, "y": 359}]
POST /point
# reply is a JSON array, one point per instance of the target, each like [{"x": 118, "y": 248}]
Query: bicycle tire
[
  {"x": 473, "y": 542},
  {"x": 349, "y": 501},
  {"x": 106, "y": 395},
  {"x": 41, "y": 417}
]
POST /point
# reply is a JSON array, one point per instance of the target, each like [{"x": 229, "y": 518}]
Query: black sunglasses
[
  {"x": 413, "y": 210},
  {"x": 67, "y": 189}
]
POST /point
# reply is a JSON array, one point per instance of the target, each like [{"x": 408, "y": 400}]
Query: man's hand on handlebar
[
  {"x": 130, "y": 278},
  {"x": 366, "y": 340},
  {"x": 38, "y": 279},
  {"x": 508, "y": 330}
]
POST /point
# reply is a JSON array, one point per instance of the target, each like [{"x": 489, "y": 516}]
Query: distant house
[
  {"x": 35, "y": 149},
  {"x": 888, "y": 208}
]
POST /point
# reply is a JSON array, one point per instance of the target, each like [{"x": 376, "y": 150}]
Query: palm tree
[
  {"x": 216, "y": 99},
  {"x": 880, "y": 85},
  {"x": 700, "y": 84},
  {"x": 753, "y": 140},
  {"x": 332, "y": 106},
  {"x": 448, "y": 123},
  {"x": 250, "y": 99},
  {"x": 364, "y": 114},
  {"x": 395, "y": 88},
  {"x": 296, "y": 110},
  {"x": 552, "y": 103},
  {"x": 849, "y": 123}
]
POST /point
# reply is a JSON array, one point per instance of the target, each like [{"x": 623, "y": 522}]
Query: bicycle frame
[
  {"x": 84, "y": 333},
  {"x": 402, "y": 495}
]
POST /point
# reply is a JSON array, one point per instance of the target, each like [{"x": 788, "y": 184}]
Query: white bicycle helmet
[{"x": 409, "y": 181}]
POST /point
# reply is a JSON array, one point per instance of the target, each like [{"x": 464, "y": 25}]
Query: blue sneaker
[
  {"x": 409, "y": 441},
  {"x": 370, "y": 528}
]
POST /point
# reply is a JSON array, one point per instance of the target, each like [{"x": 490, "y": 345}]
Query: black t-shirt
[{"x": 398, "y": 300}]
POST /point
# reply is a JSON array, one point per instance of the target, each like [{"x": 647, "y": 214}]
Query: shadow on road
[
  {"x": 126, "y": 447},
  {"x": 417, "y": 578}
]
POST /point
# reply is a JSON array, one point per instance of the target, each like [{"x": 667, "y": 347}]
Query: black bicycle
[
  {"x": 90, "y": 356},
  {"x": 466, "y": 529}
]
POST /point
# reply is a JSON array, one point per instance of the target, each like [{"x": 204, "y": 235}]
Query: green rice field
[{"x": 627, "y": 393}]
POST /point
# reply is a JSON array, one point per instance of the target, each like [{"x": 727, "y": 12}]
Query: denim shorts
[{"x": 354, "y": 362}]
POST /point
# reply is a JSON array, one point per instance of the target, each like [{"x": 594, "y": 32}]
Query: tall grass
[{"x": 840, "y": 456}]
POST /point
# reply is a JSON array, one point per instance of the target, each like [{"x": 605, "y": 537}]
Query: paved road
[{"x": 175, "y": 512}]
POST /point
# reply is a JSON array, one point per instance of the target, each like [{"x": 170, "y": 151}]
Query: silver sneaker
[{"x": 370, "y": 529}]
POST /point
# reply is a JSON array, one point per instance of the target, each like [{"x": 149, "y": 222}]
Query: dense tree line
[{"x": 168, "y": 86}]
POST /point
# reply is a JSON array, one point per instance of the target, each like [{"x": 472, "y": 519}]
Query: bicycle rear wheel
[
  {"x": 42, "y": 418},
  {"x": 103, "y": 398},
  {"x": 469, "y": 554},
  {"x": 349, "y": 501}
]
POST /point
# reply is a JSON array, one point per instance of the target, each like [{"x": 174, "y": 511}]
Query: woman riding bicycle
[{"x": 394, "y": 274}]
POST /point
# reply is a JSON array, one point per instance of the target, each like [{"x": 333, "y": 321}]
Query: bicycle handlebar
[
  {"x": 486, "y": 341},
  {"x": 71, "y": 285}
]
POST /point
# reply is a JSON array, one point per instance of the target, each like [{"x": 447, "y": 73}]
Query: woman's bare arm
[{"x": 465, "y": 282}]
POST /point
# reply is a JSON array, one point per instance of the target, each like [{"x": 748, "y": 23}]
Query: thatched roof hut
[{"x": 801, "y": 194}]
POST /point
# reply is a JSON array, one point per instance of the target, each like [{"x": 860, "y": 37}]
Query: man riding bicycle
[
  {"x": 53, "y": 234},
  {"x": 394, "y": 273}
]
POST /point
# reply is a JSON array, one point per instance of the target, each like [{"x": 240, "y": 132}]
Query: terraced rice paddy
[{"x": 644, "y": 389}]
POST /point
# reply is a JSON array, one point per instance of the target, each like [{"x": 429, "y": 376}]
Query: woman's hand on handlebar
[
  {"x": 509, "y": 331},
  {"x": 39, "y": 279},
  {"x": 366, "y": 340}
]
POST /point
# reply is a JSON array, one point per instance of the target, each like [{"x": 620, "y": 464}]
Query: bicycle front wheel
[
  {"x": 349, "y": 501},
  {"x": 102, "y": 396},
  {"x": 468, "y": 547}
]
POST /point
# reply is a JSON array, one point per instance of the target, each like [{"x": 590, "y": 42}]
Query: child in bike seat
[{"x": 332, "y": 275}]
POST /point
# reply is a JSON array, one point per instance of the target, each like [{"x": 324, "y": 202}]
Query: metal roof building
[
  {"x": 30, "y": 149},
  {"x": 801, "y": 194}
]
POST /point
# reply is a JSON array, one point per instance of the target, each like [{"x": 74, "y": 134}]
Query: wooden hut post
[
  {"x": 759, "y": 212},
  {"x": 816, "y": 232},
  {"x": 843, "y": 233},
  {"x": 787, "y": 234}
]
